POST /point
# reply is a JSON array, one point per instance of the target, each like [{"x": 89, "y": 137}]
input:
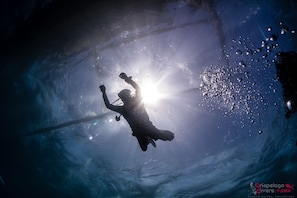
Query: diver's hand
[
  {"x": 102, "y": 88},
  {"x": 123, "y": 76}
]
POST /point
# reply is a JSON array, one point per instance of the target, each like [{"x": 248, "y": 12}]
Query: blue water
[{"x": 214, "y": 62}]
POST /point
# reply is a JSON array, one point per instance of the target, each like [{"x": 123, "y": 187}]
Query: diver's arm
[
  {"x": 106, "y": 101},
  {"x": 130, "y": 81}
]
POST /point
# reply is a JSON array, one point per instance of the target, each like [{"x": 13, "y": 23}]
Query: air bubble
[
  {"x": 238, "y": 52},
  {"x": 284, "y": 30},
  {"x": 289, "y": 105},
  {"x": 273, "y": 37},
  {"x": 273, "y": 46},
  {"x": 241, "y": 63},
  {"x": 124, "y": 34},
  {"x": 269, "y": 29},
  {"x": 260, "y": 131},
  {"x": 268, "y": 47},
  {"x": 248, "y": 52}
]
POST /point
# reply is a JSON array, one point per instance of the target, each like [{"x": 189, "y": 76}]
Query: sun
[{"x": 150, "y": 93}]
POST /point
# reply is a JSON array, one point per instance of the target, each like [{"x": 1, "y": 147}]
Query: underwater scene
[{"x": 217, "y": 87}]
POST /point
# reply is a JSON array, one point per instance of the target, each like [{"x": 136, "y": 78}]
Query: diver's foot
[{"x": 150, "y": 140}]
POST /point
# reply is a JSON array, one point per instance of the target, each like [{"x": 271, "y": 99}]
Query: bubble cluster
[
  {"x": 241, "y": 87},
  {"x": 285, "y": 29},
  {"x": 228, "y": 87}
]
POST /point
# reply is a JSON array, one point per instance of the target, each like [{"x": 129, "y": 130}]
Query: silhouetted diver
[{"x": 134, "y": 112}]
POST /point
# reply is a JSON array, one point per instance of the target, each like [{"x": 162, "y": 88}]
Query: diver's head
[{"x": 125, "y": 95}]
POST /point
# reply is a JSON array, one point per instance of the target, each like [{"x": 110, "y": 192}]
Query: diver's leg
[
  {"x": 150, "y": 140},
  {"x": 161, "y": 134},
  {"x": 166, "y": 135},
  {"x": 143, "y": 142}
]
